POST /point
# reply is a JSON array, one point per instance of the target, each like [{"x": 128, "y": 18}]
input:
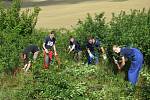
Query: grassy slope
[{"x": 68, "y": 81}]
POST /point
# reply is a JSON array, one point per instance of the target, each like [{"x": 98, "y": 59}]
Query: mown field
[{"x": 72, "y": 81}]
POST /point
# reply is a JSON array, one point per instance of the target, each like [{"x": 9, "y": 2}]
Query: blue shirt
[
  {"x": 92, "y": 46},
  {"x": 128, "y": 53}
]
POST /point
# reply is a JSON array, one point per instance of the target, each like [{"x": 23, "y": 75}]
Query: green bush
[
  {"x": 96, "y": 27},
  {"x": 71, "y": 81},
  {"x": 16, "y": 28},
  {"x": 132, "y": 30}
]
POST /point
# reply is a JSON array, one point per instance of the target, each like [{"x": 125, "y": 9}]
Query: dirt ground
[{"x": 65, "y": 13}]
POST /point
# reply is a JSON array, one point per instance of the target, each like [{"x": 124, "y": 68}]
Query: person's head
[
  {"x": 90, "y": 40},
  {"x": 116, "y": 49},
  {"x": 72, "y": 39},
  {"x": 52, "y": 34}
]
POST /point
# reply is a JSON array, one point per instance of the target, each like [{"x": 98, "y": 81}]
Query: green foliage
[
  {"x": 133, "y": 30},
  {"x": 125, "y": 29},
  {"x": 91, "y": 27},
  {"x": 145, "y": 92},
  {"x": 71, "y": 81},
  {"x": 16, "y": 26},
  {"x": 13, "y": 20}
]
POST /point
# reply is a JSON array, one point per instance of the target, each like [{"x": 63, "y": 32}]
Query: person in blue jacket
[
  {"x": 93, "y": 47},
  {"x": 136, "y": 58}
]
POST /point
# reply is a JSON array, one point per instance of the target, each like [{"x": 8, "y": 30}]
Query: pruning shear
[{"x": 116, "y": 62}]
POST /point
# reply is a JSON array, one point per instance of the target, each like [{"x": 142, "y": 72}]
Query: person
[
  {"x": 99, "y": 48},
  {"x": 136, "y": 58},
  {"x": 75, "y": 48},
  {"x": 48, "y": 45},
  {"x": 93, "y": 49},
  {"x": 29, "y": 51}
]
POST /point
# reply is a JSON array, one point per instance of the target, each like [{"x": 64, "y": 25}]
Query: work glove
[
  {"x": 91, "y": 55},
  {"x": 104, "y": 56},
  {"x": 116, "y": 62}
]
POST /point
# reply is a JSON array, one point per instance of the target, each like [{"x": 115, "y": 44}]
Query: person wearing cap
[
  {"x": 135, "y": 56},
  {"x": 49, "y": 47},
  {"x": 29, "y": 53}
]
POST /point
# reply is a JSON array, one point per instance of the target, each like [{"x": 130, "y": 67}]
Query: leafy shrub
[
  {"x": 71, "y": 81},
  {"x": 132, "y": 29},
  {"x": 91, "y": 27},
  {"x": 15, "y": 30}
]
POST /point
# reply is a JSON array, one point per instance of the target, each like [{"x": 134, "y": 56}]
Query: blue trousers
[
  {"x": 95, "y": 59},
  {"x": 135, "y": 68}
]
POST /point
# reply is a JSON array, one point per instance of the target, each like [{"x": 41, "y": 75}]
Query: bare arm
[
  {"x": 45, "y": 48},
  {"x": 118, "y": 64},
  {"x": 73, "y": 47},
  {"x": 123, "y": 62}
]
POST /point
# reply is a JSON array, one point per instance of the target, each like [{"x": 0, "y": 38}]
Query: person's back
[
  {"x": 131, "y": 53},
  {"x": 26, "y": 56},
  {"x": 31, "y": 48}
]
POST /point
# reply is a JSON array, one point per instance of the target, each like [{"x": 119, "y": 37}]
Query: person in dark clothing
[
  {"x": 75, "y": 48},
  {"x": 30, "y": 51},
  {"x": 48, "y": 45},
  {"x": 99, "y": 49},
  {"x": 93, "y": 50},
  {"x": 136, "y": 58}
]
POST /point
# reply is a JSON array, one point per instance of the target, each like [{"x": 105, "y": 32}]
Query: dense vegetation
[{"x": 70, "y": 80}]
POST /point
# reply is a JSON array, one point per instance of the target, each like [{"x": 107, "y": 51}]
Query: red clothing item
[{"x": 50, "y": 54}]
